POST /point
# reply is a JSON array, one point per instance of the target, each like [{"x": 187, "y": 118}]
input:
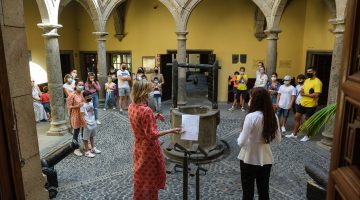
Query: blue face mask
[{"x": 80, "y": 88}]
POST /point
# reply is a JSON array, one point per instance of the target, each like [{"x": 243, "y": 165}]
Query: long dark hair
[{"x": 260, "y": 101}]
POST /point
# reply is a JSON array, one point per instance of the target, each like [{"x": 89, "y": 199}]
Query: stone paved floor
[{"x": 109, "y": 175}]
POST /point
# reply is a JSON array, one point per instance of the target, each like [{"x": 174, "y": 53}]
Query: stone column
[
  {"x": 339, "y": 27},
  {"x": 101, "y": 62},
  {"x": 271, "y": 60},
  {"x": 181, "y": 58},
  {"x": 55, "y": 80}
]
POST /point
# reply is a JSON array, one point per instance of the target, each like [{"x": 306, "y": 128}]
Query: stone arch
[
  {"x": 48, "y": 10},
  {"x": 265, "y": 7},
  {"x": 340, "y": 8},
  {"x": 332, "y": 7},
  {"x": 109, "y": 9}
]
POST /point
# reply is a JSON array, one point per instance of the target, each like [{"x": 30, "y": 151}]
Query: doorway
[
  {"x": 88, "y": 62},
  {"x": 321, "y": 60},
  {"x": 197, "y": 80},
  {"x": 67, "y": 62}
]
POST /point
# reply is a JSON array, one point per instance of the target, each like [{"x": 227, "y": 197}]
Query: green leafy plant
[{"x": 313, "y": 125}]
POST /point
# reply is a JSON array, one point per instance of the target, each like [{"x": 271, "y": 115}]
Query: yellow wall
[{"x": 227, "y": 29}]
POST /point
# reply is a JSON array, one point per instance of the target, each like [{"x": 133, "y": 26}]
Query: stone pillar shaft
[
  {"x": 181, "y": 58},
  {"x": 101, "y": 62},
  {"x": 271, "y": 59},
  {"x": 55, "y": 80},
  {"x": 339, "y": 27}
]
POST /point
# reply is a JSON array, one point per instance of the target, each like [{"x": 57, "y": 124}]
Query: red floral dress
[
  {"x": 75, "y": 119},
  {"x": 149, "y": 164}
]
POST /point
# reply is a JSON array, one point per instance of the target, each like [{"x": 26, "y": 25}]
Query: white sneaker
[
  {"x": 292, "y": 135},
  {"x": 114, "y": 108},
  {"x": 104, "y": 109},
  {"x": 98, "y": 122},
  {"x": 305, "y": 138},
  {"x": 231, "y": 109},
  {"x": 95, "y": 150},
  {"x": 283, "y": 129},
  {"x": 89, "y": 154},
  {"x": 242, "y": 109},
  {"x": 121, "y": 110},
  {"x": 77, "y": 152}
]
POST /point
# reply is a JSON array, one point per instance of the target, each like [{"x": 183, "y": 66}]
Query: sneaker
[
  {"x": 98, "y": 122},
  {"x": 114, "y": 108},
  {"x": 305, "y": 138},
  {"x": 121, "y": 110},
  {"x": 231, "y": 109},
  {"x": 104, "y": 109},
  {"x": 77, "y": 152},
  {"x": 292, "y": 135},
  {"x": 242, "y": 109},
  {"x": 283, "y": 129},
  {"x": 89, "y": 154},
  {"x": 95, "y": 150}
]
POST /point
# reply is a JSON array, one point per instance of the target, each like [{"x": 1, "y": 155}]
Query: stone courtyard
[{"x": 109, "y": 175}]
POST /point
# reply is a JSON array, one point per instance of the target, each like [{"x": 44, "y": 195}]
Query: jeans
[
  {"x": 250, "y": 173},
  {"x": 95, "y": 100},
  {"x": 110, "y": 96},
  {"x": 157, "y": 103},
  {"x": 76, "y": 135}
]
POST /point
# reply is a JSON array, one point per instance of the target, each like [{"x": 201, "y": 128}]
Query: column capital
[
  {"x": 181, "y": 35},
  {"x": 339, "y": 25},
  {"x": 50, "y": 29},
  {"x": 272, "y": 34},
  {"x": 101, "y": 36}
]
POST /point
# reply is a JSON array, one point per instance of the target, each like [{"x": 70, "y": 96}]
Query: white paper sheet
[{"x": 190, "y": 124}]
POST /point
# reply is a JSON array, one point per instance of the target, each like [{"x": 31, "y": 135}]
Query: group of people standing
[
  {"x": 302, "y": 98},
  {"x": 270, "y": 103}
]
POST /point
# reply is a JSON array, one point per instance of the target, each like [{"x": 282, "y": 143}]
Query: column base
[
  {"x": 181, "y": 103},
  {"x": 58, "y": 128},
  {"x": 326, "y": 142}
]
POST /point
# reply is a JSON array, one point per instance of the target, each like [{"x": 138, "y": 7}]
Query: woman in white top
[
  {"x": 261, "y": 78},
  {"x": 40, "y": 114},
  {"x": 261, "y": 126}
]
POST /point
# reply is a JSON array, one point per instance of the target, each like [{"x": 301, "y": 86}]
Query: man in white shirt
[
  {"x": 123, "y": 84},
  {"x": 285, "y": 100}
]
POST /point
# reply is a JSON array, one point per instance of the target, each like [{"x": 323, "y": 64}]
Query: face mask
[
  {"x": 300, "y": 82},
  {"x": 156, "y": 81},
  {"x": 241, "y": 73},
  {"x": 156, "y": 71},
  {"x": 80, "y": 88},
  {"x": 88, "y": 100},
  {"x": 73, "y": 75},
  {"x": 309, "y": 75},
  {"x": 273, "y": 78},
  {"x": 287, "y": 82},
  {"x": 69, "y": 80},
  {"x": 109, "y": 80},
  {"x": 123, "y": 68},
  {"x": 262, "y": 71}
]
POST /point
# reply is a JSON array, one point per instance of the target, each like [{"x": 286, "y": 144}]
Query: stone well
[{"x": 209, "y": 120}]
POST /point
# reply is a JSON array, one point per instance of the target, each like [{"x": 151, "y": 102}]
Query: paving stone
[{"x": 109, "y": 175}]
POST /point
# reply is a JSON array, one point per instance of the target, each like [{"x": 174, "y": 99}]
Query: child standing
[
  {"x": 45, "y": 101},
  {"x": 234, "y": 83},
  {"x": 241, "y": 87},
  {"x": 157, "y": 94},
  {"x": 110, "y": 88},
  {"x": 88, "y": 114},
  {"x": 285, "y": 100}
]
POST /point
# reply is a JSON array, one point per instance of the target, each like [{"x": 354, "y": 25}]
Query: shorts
[
  {"x": 308, "y": 111},
  {"x": 89, "y": 132},
  {"x": 124, "y": 92},
  {"x": 47, "y": 107},
  {"x": 283, "y": 112},
  {"x": 273, "y": 99},
  {"x": 240, "y": 93},
  {"x": 235, "y": 91}
]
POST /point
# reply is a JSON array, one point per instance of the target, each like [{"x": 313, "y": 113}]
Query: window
[{"x": 117, "y": 58}]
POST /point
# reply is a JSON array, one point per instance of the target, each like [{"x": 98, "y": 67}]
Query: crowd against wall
[{"x": 301, "y": 98}]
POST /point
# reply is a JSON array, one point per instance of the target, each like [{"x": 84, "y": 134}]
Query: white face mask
[
  {"x": 273, "y": 78},
  {"x": 287, "y": 82},
  {"x": 69, "y": 80}
]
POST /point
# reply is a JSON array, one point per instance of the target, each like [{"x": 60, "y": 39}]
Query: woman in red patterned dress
[{"x": 149, "y": 163}]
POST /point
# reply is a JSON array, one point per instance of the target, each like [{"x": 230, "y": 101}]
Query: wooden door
[
  {"x": 344, "y": 180},
  {"x": 88, "y": 62},
  {"x": 67, "y": 62},
  {"x": 166, "y": 71}
]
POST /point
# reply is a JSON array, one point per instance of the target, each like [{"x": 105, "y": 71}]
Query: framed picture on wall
[{"x": 148, "y": 62}]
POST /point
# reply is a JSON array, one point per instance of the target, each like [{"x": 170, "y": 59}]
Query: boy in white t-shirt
[
  {"x": 88, "y": 115},
  {"x": 123, "y": 85},
  {"x": 285, "y": 99}
]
